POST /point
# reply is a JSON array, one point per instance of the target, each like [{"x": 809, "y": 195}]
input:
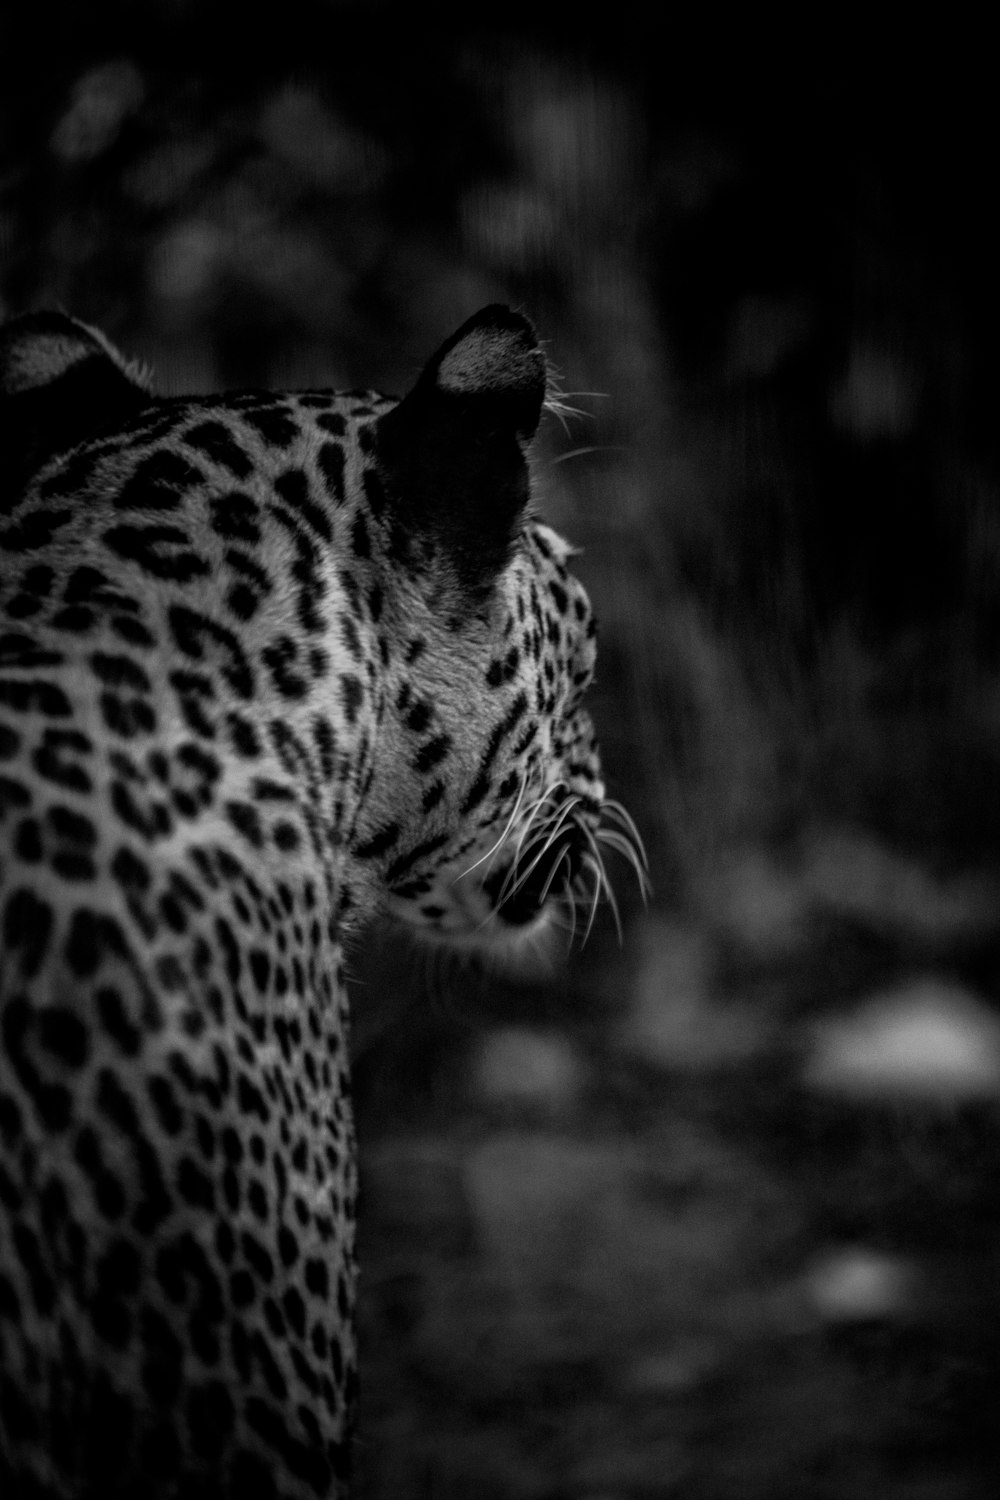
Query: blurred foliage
[{"x": 768, "y": 270}]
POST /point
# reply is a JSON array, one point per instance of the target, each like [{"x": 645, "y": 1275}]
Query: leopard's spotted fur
[{"x": 268, "y": 664}]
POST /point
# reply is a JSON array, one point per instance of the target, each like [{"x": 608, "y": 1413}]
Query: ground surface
[{"x": 716, "y": 1220}]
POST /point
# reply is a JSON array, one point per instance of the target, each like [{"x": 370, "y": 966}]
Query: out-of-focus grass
[{"x": 716, "y": 1216}]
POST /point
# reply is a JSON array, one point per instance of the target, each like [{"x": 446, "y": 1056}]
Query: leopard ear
[
  {"x": 452, "y": 453},
  {"x": 60, "y": 382}
]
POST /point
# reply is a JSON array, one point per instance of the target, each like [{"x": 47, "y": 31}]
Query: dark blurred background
[{"x": 714, "y": 1214}]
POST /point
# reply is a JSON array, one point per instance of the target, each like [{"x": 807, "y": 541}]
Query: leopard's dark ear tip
[
  {"x": 451, "y": 454},
  {"x": 61, "y": 382},
  {"x": 40, "y": 348},
  {"x": 495, "y": 355}
]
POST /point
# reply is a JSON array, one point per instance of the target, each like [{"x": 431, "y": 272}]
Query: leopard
[{"x": 275, "y": 668}]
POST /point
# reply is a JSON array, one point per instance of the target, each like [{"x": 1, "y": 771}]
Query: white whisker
[
  {"x": 618, "y": 814},
  {"x": 591, "y": 866},
  {"x": 562, "y": 860},
  {"x": 493, "y": 849},
  {"x": 628, "y": 852}
]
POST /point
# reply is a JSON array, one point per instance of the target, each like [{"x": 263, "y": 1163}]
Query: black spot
[
  {"x": 193, "y": 690},
  {"x": 86, "y": 585},
  {"x": 325, "y": 743},
  {"x": 120, "y": 672},
  {"x": 360, "y": 542},
  {"x": 242, "y": 601},
  {"x": 352, "y": 695},
  {"x": 407, "y": 861},
  {"x": 278, "y": 657},
  {"x": 51, "y": 1101},
  {"x": 246, "y": 820},
  {"x": 71, "y": 475},
  {"x": 27, "y": 927},
  {"x": 114, "y": 1101},
  {"x": 63, "y": 1034},
  {"x": 286, "y": 837},
  {"x": 260, "y": 968},
  {"x": 73, "y": 866},
  {"x": 28, "y": 841},
  {"x": 131, "y": 631},
  {"x": 130, "y": 871},
  {"x": 12, "y": 794},
  {"x": 164, "y": 1101},
  {"x": 33, "y": 1260},
  {"x": 155, "y": 1205},
  {"x": 127, "y": 717},
  {"x": 52, "y": 759},
  {"x": 173, "y": 914},
  {"x": 73, "y": 826},
  {"x": 476, "y": 794},
  {"x": 307, "y": 1463},
  {"x": 244, "y": 737},
  {"x": 36, "y": 529},
  {"x": 274, "y": 426},
  {"x": 288, "y": 1246},
  {"x": 257, "y": 1258},
  {"x": 432, "y": 796},
  {"x": 201, "y": 761},
  {"x": 158, "y": 482},
  {"x": 247, "y": 567},
  {"x": 193, "y": 630},
  {"x": 331, "y": 464},
  {"x": 161, "y": 551},
  {"x": 480, "y": 787},
  {"x": 250, "y": 1099},
  {"x": 90, "y": 936},
  {"x": 293, "y": 487},
  {"x": 331, "y": 422},
  {"x": 130, "y": 812},
  {"x": 77, "y": 619},
  {"x": 30, "y": 695},
  {"x": 194, "y": 1186},
  {"x": 432, "y": 754},
  {"x": 418, "y": 717},
  {"x": 18, "y": 650},
  {"x": 351, "y": 638},
  {"x": 235, "y": 517},
  {"x": 295, "y": 1313},
  {"x": 116, "y": 1022},
  {"x": 22, "y": 607},
  {"x": 218, "y": 444},
  {"x": 10, "y": 742},
  {"x": 379, "y": 843},
  {"x": 317, "y": 1279}
]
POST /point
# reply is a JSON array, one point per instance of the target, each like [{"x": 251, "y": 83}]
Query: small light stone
[
  {"x": 926, "y": 1039},
  {"x": 521, "y": 1067}
]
